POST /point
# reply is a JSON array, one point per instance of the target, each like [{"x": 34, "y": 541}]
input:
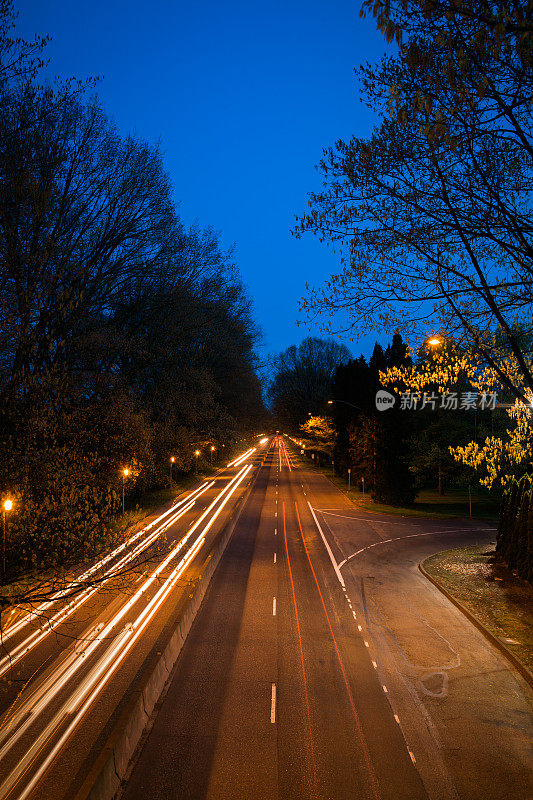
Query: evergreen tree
[{"x": 374, "y": 444}]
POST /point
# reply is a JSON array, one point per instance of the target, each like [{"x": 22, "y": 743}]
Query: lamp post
[
  {"x": 196, "y": 453},
  {"x": 7, "y": 505},
  {"x": 125, "y": 473},
  {"x": 172, "y": 460},
  {"x": 213, "y": 448}
]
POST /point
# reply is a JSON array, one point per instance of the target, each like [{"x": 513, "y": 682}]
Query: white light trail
[
  {"x": 31, "y": 641},
  {"x": 21, "y": 623},
  {"x": 238, "y": 460}
]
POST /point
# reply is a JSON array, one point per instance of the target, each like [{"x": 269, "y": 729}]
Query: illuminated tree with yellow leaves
[
  {"x": 320, "y": 434},
  {"x": 442, "y": 369}
]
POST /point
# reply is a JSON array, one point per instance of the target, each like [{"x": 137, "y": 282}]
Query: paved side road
[{"x": 295, "y": 685}]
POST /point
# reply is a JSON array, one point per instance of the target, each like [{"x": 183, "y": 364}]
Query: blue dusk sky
[{"x": 242, "y": 96}]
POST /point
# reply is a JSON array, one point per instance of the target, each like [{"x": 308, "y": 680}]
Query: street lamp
[
  {"x": 213, "y": 448},
  {"x": 346, "y": 403},
  {"x": 196, "y": 453},
  {"x": 7, "y": 505},
  {"x": 125, "y": 473},
  {"x": 434, "y": 341},
  {"x": 172, "y": 460}
]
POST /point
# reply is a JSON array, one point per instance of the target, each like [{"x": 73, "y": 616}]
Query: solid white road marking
[
  {"x": 273, "y": 606},
  {"x": 411, "y": 536},
  {"x": 328, "y": 548},
  {"x": 273, "y": 704},
  {"x": 396, "y": 718},
  {"x": 363, "y": 519},
  {"x": 413, "y": 759}
]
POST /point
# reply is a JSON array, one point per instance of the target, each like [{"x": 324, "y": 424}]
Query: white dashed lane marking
[{"x": 273, "y": 704}]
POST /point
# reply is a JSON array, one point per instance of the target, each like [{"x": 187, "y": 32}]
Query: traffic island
[{"x": 498, "y": 602}]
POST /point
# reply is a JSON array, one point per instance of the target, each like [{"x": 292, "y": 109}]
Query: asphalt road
[{"x": 340, "y": 674}]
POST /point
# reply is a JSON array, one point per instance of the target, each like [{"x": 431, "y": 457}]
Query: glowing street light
[
  {"x": 7, "y": 505},
  {"x": 172, "y": 460},
  {"x": 196, "y": 453},
  {"x": 213, "y": 448},
  {"x": 434, "y": 341},
  {"x": 125, "y": 473},
  {"x": 346, "y": 403}
]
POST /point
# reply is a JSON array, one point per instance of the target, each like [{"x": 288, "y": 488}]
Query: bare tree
[
  {"x": 432, "y": 214},
  {"x": 302, "y": 379}
]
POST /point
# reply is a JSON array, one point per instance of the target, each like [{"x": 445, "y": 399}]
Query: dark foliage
[
  {"x": 125, "y": 338},
  {"x": 373, "y": 444},
  {"x": 302, "y": 380}
]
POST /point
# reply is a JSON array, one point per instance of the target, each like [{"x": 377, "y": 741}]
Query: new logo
[{"x": 384, "y": 400}]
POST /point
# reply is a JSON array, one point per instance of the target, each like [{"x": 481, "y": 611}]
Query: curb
[
  {"x": 517, "y": 664},
  {"x": 107, "y": 773}
]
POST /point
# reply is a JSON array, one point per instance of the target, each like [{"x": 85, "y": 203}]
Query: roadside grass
[
  {"x": 497, "y": 598},
  {"x": 428, "y": 503},
  {"x": 115, "y": 529}
]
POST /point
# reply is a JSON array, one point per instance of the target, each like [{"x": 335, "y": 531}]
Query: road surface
[{"x": 323, "y": 664}]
